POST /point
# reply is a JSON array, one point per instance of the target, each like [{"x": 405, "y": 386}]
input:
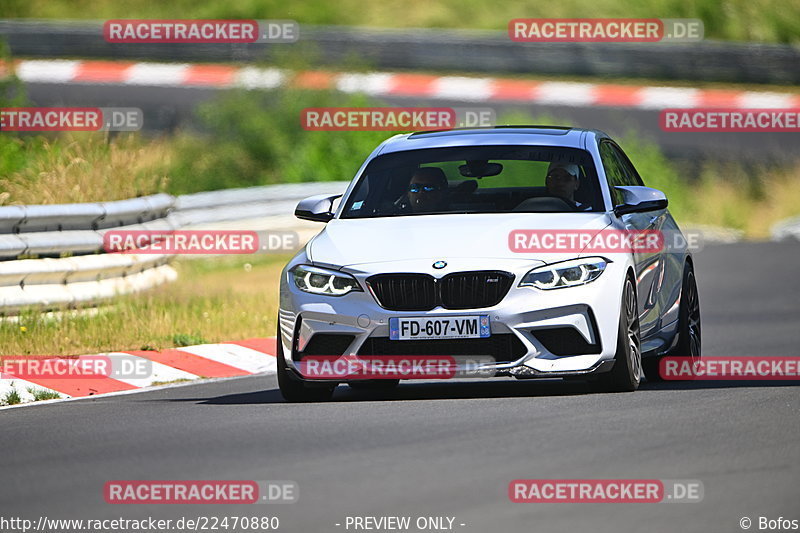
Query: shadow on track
[{"x": 480, "y": 390}]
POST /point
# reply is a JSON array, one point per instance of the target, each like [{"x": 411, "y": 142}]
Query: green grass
[
  {"x": 255, "y": 138},
  {"x": 736, "y": 20},
  {"x": 218, "y": 300},
  {"x": 171, "y": 382},
  {"x": 185, "y": 339},
  {"x": 11, "y": 397},
  {"x": 43, "y": 394},
  {"x": 77, "y": 168},
  {"x": 74, "y": 167}
]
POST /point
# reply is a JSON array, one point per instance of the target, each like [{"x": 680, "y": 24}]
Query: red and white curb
[
  {"x": 224, "y": 360},
  {"x": 471, "y": 89}
]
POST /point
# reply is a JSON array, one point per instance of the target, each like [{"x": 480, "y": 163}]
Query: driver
[
  {"x": 427, "y": 190},
  {"x": 562, "y": 180}
]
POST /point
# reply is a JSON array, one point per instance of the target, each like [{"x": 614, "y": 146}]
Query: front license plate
[{"x": 446, "y": 327}]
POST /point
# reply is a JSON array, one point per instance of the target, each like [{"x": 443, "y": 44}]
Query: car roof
[{"x": 567, "y": 137}]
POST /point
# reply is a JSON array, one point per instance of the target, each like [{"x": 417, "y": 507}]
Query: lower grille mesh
[{"x": 503, "y": 347}]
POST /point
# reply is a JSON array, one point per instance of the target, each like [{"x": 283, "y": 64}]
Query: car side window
[
  {"x": 615, "y": 175},
  {"x": 629, "y": 172}
]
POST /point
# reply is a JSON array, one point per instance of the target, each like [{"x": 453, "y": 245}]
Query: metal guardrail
[
  {"x": 89, "y": 276},
  {"x": 786, "y": 230},
  {"x": 444, "y": 50},
  {"x": 250, "y": 202},
  {"x": 45, "y": 230}
]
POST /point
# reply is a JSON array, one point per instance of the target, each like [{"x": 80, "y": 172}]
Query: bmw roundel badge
[{"x": 440, "y": 264}]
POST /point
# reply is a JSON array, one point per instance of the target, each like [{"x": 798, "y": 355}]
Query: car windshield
[{"x": 476, "y": 179}]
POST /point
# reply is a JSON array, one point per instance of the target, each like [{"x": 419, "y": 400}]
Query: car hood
[{"x": 351, "y": 242}]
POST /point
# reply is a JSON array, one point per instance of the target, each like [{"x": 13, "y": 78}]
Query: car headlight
[
  {"x": 565, "y": 274},
  {"x": 323, "y": 281}
]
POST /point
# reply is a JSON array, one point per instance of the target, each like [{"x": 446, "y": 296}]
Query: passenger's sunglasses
[{"x": 423, "y": 188}]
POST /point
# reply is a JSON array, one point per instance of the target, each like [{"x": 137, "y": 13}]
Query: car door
[
  {"x": 667, "y": 286},
  {"x": 649, "y": 265}
]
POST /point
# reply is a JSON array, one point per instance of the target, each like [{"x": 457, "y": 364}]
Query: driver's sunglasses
[
  {"x": 423, "y": 188},
  {"x": 561, "y": 175}
]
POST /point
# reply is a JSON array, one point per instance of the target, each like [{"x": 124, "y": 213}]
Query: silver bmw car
[{"x": 537, "y": 251}]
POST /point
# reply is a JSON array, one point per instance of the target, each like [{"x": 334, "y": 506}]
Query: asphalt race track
[{"x": 451, "y": 449}]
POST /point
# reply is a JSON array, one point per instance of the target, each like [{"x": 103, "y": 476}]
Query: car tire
[
  {"x": 626, "y": 374},
  {"x": 374, "y": 384},
  {"x": 689, "y": 331},
  {"x": 295, "y": 391}
]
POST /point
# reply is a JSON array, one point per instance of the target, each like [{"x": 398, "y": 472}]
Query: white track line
[
  {"x": 571, "y": 94},
  {"x": 55, "y": 71},
  {"x": 766, "y": 100},
  {"x": 460, "y": 88},
  {"x": 666, "y": 97},
  {"x": 121, "y": 364},
  {"x": 234, "y": 355},
  {"x": 382, "y": 83},
  {"x": 156, "y": 74},
  {"x": 127, "y": 392},
  {"x": 374, "y": 84}
]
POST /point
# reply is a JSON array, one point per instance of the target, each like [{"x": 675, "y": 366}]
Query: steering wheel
[
  {"x": 397, "y": 207},
  {"x": 544, "y": 204},
  {"x": 571, "y": 205}
]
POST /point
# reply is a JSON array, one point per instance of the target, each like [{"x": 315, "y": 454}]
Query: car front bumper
[{"x": 590, "y": 312}]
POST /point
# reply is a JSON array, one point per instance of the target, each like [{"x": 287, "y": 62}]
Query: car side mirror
[
  {"x": 636, "y": 199},
  {"x": 318, "y": 208}
]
